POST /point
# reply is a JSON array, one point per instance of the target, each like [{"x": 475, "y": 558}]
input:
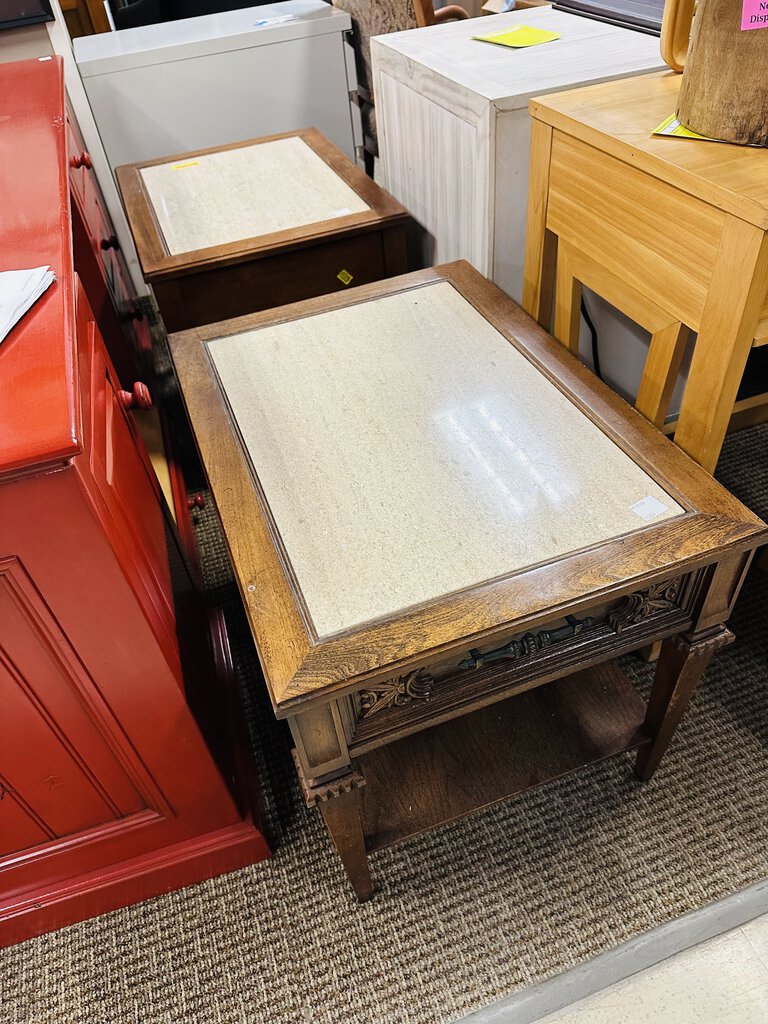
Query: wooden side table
[
  {"x": 673, "y": 232},
  {"x": 226, "y": 231},
  {"x": 468, "y": 516}
]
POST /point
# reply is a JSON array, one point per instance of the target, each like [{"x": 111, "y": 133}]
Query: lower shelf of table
[{"x": 453, "y": 769}]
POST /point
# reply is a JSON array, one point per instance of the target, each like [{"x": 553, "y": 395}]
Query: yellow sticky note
[
  {"x": 344, "y": 276},
  {"x": 671, "y": 126},
  {"x": 520, "y": 35}
]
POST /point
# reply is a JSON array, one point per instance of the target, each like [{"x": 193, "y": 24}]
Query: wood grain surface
[{"x": 297, "y": 666}]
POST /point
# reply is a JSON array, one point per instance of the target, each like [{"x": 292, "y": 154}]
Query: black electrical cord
[{"x": 593, "y": 333}]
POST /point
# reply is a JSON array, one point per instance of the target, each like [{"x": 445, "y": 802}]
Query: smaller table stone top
[{"x": 246, "y": 192}]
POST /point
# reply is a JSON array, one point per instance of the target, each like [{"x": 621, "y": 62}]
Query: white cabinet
[
  {"x": 201, "y": 82},
  {"x": 454, "y": 128},
  {"x": 454, "y": 143}
]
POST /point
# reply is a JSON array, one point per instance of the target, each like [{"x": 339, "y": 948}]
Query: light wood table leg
[
  {"x": 662, "y": 366},
  {"x": 540, "y": 244},
  {"x": 568, "y": 293},
  {"x": 681, "y": 665},
  {"x": 735, "y": 299}
]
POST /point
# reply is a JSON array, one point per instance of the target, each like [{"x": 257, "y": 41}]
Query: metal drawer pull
[{"x": 529, "y": 643}]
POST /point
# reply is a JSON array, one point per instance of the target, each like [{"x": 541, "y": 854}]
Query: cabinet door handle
[
  {"x": 110, "y": 243},
  {"x": 530, "y": 643},
  {"x": 139, "y": 398},
  {"x": 84, "y": 160}
]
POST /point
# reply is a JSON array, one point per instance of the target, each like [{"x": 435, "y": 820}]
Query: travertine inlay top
[
  {"x": 244, "y": 193},
  {"x": 407, "y": 451}
]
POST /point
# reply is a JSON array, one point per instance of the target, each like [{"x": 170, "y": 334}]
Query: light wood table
[
  {"x": 673, "y": 232},
  {"x": 253, "y": 225},
  {"x": 454, "y": 129},
  {"x": 432, "y": 507}
]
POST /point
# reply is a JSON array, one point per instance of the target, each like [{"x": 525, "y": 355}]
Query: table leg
[
  {"x": 342, "y": 818},
  {"x": 540, "y": 244},
  {"x": 681, "y": 665},
  {"x": 736, "y": 296},
  {"x": 338, "y": 799},
  {"x": 568, "y": 292}
]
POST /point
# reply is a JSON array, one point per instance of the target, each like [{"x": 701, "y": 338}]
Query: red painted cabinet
[{"x": 109, "y": 791}]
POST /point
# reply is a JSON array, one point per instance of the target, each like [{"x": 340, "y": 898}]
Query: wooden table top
[
  {"x": 619, "y": 118},
  {"x": 415, "y": 462},
  {"x": 217, "y": 206}
]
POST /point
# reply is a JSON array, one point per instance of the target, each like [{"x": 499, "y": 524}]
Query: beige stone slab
[
  {"x": 756, "y": 934},
  {"x": 244, "y": 193},
  {"x": 722, "y": 981},
  {"x": 408, "y": 451}
]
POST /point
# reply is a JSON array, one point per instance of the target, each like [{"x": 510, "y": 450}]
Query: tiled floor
[{"x": 722, "y": 981}]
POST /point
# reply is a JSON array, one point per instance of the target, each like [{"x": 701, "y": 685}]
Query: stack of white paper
[{"x": 20, "y": 289}]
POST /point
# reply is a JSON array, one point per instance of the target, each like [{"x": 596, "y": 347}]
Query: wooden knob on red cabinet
[
  {"x": 195, "y": 501},
  {"x": 139, "y": 398},
  {"x": 84, "y": 160}
]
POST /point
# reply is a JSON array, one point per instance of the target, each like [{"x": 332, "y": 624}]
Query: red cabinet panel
[
  {"x": 99, "y": 261},
  {"x": 125, "y": 478},
  {"x": 57, "y": 760},
  {"x": 109, "y": 791},
  {"x": 19, "y": 828}
]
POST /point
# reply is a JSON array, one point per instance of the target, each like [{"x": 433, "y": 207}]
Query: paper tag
[
  {"x": 519, "y": 36},
  {"x": 343, "y": 212},
  {"x": 180, "y": 167},
  {"x": 344, "y": 276},
  {"x": 648, "y": 508},
  {"x": 671, "y": 127},
  {"x": 754, "y": 14}
]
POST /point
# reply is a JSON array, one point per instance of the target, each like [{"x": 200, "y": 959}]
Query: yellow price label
[{"x": 344, "y": 276}]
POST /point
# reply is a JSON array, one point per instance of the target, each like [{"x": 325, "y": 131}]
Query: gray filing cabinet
[{"x": 185, "y": 85}]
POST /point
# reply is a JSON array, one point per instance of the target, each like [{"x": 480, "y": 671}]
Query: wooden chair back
[
  {"x": 377, "y": 18},
  {"x": 675, "y": 32}
]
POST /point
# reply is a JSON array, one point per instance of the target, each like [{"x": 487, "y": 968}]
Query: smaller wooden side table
[
  {"x": 673, "y": 232},
  {"x": 235, "y": 229},
  {"x": 444, "y": 529}
]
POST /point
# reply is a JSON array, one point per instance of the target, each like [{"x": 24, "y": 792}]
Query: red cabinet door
[{"x": 59, "y": 772}]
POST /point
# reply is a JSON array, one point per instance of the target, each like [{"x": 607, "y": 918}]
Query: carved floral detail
[
  {"x": 397, "y": 692},
  {"x": 639, "y": 606}
]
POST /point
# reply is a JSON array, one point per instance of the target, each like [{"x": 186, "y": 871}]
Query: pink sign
[{"x": 754, "y": 14}]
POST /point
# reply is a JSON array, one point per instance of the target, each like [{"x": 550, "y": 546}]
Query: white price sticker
[{"x": 648, "y": 508}]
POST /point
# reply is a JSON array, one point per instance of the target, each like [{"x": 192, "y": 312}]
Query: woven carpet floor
[{"x": 464, "y": 915}]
